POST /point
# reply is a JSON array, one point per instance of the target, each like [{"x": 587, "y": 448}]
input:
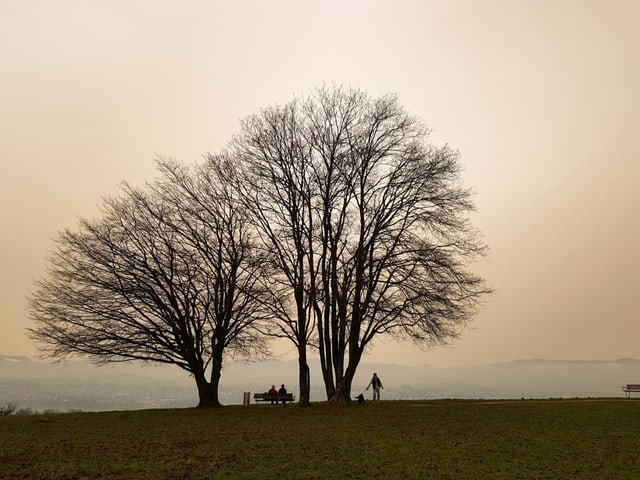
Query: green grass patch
[{"x": 532, "y": 439}]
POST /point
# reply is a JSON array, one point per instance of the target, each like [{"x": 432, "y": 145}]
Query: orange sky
[{"x": 541, "y": 97}]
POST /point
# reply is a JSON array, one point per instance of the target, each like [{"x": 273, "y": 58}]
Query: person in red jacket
[{"x": 273, "y": 391}]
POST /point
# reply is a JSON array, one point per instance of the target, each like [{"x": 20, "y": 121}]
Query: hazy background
[
  {"x": 78, "y": 385},
  {"x": 542, "y": 98}
]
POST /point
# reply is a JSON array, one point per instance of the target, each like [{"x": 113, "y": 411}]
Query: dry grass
[{"x": 583, "y": 439}]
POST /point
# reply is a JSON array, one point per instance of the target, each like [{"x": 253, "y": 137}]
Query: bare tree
[
  {"x": 271, "y": 183},
  {"x": 367, "y": 221},
  {"x": 167, "y": 275},
  {"x": 7, "y": 409}
]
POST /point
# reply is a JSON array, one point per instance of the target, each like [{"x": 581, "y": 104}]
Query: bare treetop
[
  {"x": 329, "y": 221},
  {"x": 367, "y": 223},
  {"x": 168, "y": 274}
]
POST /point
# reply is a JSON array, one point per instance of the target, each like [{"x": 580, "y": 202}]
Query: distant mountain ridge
[
  {"x": 80, "y": 384},
  {"x": 13, "y": 358},
  {"x": 551, "y": 361},
  {"x": 11, "y": 364}
]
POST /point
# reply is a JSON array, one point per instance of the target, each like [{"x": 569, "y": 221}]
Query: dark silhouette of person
[
  {"x": 376, "y": 383},
  {"x": 283, "y": 391}
]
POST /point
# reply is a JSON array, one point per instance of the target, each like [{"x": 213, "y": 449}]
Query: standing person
[
  {"x": 283, "y": 391},
  {"x": 376, "y": 383}
]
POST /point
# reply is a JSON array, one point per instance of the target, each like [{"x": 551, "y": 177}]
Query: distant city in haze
[{"x": 36, "y": 386}]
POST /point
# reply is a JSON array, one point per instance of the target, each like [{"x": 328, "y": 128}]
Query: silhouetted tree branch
[
  {"x": 267, "y": 166},
  {"x": 367, "y": 224},
  {"x": 168, "y": 274}
]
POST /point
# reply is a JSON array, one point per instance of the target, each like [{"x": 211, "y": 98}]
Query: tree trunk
[
  {"x": 304, "y": 377},
  {"x": 208, "y": 390},
  {"x": 326, "y": 362},
  {"x": 342, "y": 392},
  {"x": 207, "y": 393}
]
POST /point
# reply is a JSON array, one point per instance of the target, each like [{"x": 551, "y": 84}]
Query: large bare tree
[
  {"x": 268, "y": 168},
  {"x": 168, "y": 274},
  {"x": 367, "y": 221}
]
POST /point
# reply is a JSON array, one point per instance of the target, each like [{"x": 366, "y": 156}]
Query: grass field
[{"x": 528, "y": 439}]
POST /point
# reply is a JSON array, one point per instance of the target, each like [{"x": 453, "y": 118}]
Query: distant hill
[
  {"x": 78, "y": 384},
  {"x": 82, "y": 370}
]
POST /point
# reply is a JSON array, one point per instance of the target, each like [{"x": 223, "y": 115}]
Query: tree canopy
[
  {"x": 168, "y": 274},
  {"x": 329, "y": 221},
  {"x": 366, "y": 221}
]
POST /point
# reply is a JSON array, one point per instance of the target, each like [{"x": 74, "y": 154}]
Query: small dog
[{"x": 360, "y": 399}]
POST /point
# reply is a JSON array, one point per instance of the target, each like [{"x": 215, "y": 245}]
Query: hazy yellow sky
[{"x": 542, "y": 98}]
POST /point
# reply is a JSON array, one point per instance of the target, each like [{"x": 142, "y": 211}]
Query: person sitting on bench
[
  {"x": 273, "y": 392},
  {"x": 283, "y": 391}
]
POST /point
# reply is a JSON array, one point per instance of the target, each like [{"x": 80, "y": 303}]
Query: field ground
[{"x": 528, "y": 439}]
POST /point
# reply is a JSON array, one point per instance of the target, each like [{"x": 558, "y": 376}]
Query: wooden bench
[
  {"x": 631, "y": 387},
  {"x": 280, "y": 397}
]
